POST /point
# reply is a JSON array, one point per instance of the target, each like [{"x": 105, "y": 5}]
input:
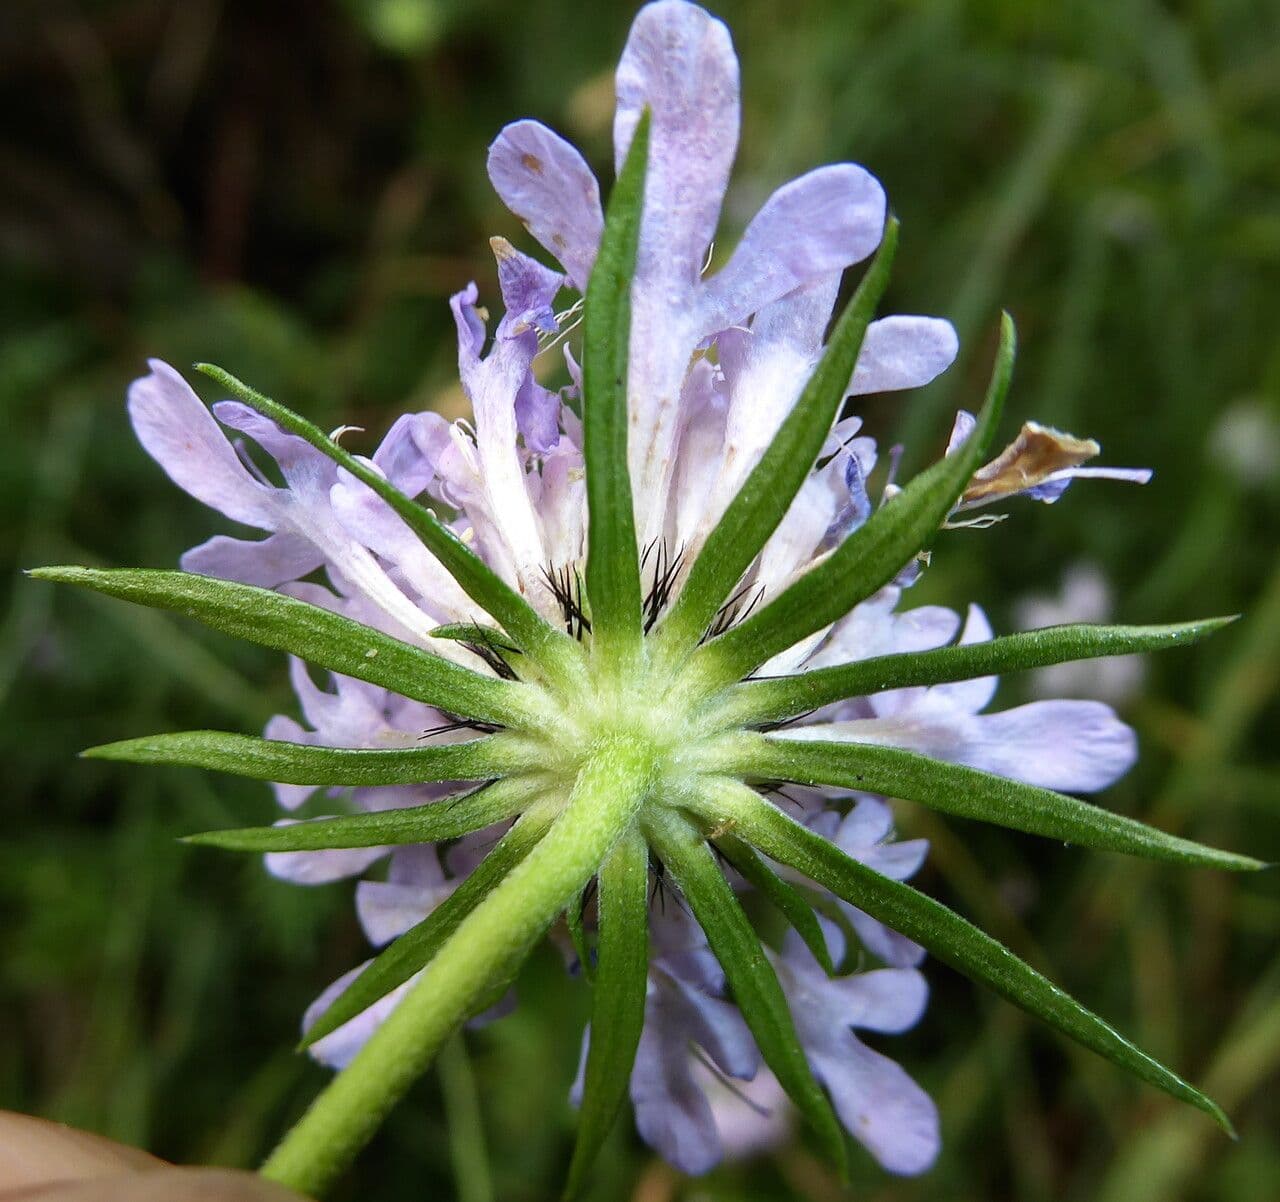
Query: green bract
[{"x": 623, "y": 746}]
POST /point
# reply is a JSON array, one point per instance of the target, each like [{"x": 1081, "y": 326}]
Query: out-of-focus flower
[
  {"x": 1085, "y": 596},
  {"x": 1246, "y": 440}
]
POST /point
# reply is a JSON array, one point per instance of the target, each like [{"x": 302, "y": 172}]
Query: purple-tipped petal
[
  {"x": 903, "y": 352},
  {"x": 679, "y": 62},
  {"x": 528, "y": 291},
  {"x": 879, "y": 1105},
  {"x": 547, "y": 184},
  {"x": 339, "y": 1048},
  {"x": 807, "y": 230},
  {"x": 403, "y": 455},
  {"x": 179, "y": 433},
  {"x": 538, "y": 416},
  {"x": 267, "y": 562},
  {"x": 321, "y": 867},
  {"x": 1073, "y": 746}
]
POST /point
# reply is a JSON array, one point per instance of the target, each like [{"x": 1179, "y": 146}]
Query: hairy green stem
[{"x": 487, "y": 945}]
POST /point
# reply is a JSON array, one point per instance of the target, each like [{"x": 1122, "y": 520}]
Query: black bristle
[
  {"x": 733, "y": 611},
  {"x": 567, "y": 588},
  {"x": 666, "y": 570}
]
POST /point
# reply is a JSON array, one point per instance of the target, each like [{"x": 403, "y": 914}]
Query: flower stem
[
  {"x": 471, "y": 1175},
  {"x": 487, "y": 946}
]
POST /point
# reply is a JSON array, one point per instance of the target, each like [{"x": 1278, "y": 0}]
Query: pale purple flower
[{"x": 717, "y": 361}]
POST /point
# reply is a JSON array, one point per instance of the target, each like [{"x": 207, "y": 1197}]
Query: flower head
[{"x": 603, "y": 658}]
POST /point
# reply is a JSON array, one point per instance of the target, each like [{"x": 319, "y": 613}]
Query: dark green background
[{"x": 293, "y": 190}]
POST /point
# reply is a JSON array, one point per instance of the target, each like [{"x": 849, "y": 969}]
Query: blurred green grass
[{"x": 294, "y": 190}]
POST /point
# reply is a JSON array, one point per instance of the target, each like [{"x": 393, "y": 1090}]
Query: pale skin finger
[{"x": 46, "y": 1162}]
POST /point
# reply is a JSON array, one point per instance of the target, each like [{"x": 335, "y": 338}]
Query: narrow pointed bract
[{"x": 622, "y": 650}]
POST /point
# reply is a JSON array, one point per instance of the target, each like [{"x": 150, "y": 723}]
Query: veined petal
[
  {"x": 404, "y": 455},
  {"x": 751, "y": 1117},
  {"x": 387, "y": 909},
  {"x": 874, "y": 628},
  {"x": 492, "y": 383},
  {"x": 367, "y": 517},
  {"x": 1071, "y": 746},
  {"x": 865, "y": 833},
  {"x": 765, "y": 372},
  {"x": 561, "y": 496},
  {"x": 701, "y": 448},
  {"x": 672, "y": 1112},
  {"x": 174, "y": 426},
  {"x": 339, "y": 1048},
  {"x": 877, "y": 1101},
  {"x": 302, "y": 466},
  {"x": 976, "y": 694}
]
